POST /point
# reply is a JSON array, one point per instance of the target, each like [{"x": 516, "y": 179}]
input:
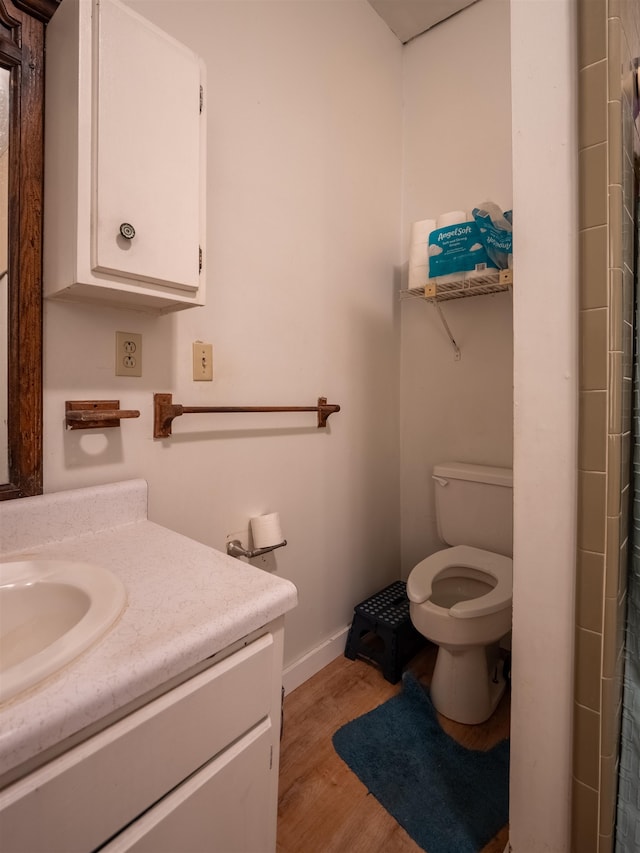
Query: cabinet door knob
[{"x": 127, "y": 231}]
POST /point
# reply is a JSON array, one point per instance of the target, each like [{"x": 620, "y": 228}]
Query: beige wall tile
[
  {"x": 628, "y": 131},
  {"x": 592, "y": 105},
  {"x": 624, "y": 573},
  {"x": 614, "y": 113},
  {"x": 608, "y": 779},
  {"x": 628, "y": 178},
  {"x": 605, "y": 844},
  {"x": 611, "y": 716},
  {"x": 593, "y": 172},
  {"x": 592, "y": 511},
  {"x": 593, "y": 267},
  {"x": 627, "y": 403},
  {"x": 627, "y": 228},
  {"x": 614, "y": 473},
  {"x": 601, "y": 589},
  {"x": 587, "y": 669},
  {"x": 593, "y": 431},
  {"x": 615, "y": 393},
  {"x": 614, "y": 59},
  {"x": 614, "y": 8},
  {"x": 584, "y": 822},
  {"x": 615, "y": 310},
  {"x": 621, "y": 626},
  {"x": 627, "y": 82},
  {"x": 590, "y": 591},
  {"x": 627, "y": 439},
  {"x": 634, "y": 16},
  {"x": 592, "y": 43},
  {"x": 625, "y": 506},
  {"x": 613, "y": 643},
  {"x": 618, "y": 677},
  {"x": 615, "y": 227},
  {"x": 627, "y": 366},
  {"x": 612, "y": 557},
  {"x": 586, "y": 746},
  {"x": 627, "y": 295},
  {"x": 631, "y": 24},
  {"x": 593, "y": 349},
  {"x": 611, "y": 637}
]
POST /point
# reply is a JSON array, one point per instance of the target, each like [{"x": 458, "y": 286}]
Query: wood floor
[{"x": 323, "y": 807}]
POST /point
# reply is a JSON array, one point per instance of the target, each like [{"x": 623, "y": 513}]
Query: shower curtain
[{"x": 628, "y": 817}]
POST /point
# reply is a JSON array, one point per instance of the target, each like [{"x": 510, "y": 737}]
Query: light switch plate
[{"x": 202, "y": 362}]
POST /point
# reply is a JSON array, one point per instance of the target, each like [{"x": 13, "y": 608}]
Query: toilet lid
[{"x": 420, "y": 580}]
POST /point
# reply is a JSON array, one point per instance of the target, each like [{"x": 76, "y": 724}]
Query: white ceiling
[{"x": 409, "y": 18}]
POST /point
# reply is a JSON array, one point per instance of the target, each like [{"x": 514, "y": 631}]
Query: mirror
[{"x": 22, "y": 27}]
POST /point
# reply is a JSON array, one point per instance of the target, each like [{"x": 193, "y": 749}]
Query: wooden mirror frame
[{"x": 22, "y": 29}]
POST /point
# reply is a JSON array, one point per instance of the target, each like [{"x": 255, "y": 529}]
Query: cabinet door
[
  {"x": 146, "y": 88},
  {"x": 224, "y": 808}
]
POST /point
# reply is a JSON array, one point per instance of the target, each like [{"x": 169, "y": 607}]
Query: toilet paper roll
[
  {"x": 266, "y": 530},
  {"x": 418, "y": 276},
  {"x": 418, "y": 255},
  {"x": 420, "y": 230},
  {"x": 453, "y": 217}
]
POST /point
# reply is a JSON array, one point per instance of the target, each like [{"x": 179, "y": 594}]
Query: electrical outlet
[
  {"x": 128, "y": 354},
  {"x": 202, "y": 362}
]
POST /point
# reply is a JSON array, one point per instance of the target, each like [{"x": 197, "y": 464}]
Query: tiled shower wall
[{"x": 608, "y": 42}]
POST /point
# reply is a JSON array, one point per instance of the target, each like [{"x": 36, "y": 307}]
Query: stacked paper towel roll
[
  {"x": 266, "y": 530},
  {"x": 453, "y": 217},
  {"x": 418, "y": 252}
]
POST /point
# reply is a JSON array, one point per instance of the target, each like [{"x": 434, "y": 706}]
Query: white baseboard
[{"x": 302, "y": 669}]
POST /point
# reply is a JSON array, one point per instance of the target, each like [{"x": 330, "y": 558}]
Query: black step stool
[{"x": 382, "y": 631}]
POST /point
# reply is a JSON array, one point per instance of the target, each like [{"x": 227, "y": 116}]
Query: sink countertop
[{"x": 185, "y": 602}]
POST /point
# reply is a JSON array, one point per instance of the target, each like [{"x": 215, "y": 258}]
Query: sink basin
[{"x": 50, "y": 612}]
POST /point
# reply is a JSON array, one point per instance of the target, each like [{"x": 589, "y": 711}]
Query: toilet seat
[{"x": 500, "y": 568}]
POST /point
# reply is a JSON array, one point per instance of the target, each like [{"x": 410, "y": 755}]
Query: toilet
[{"x": 460, "y": 598}]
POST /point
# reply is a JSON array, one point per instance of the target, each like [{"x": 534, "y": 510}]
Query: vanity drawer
[
  {"x": 81, "y": 799},
  {"x": 224, "y": 807}
]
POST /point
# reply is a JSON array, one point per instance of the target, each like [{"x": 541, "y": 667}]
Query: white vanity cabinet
[
  {"x": 124, "y": 211},
  {"x": 194, "y": 769}
]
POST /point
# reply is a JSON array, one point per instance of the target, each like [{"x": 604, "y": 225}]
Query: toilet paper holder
[{"x": 235, "y": 548}]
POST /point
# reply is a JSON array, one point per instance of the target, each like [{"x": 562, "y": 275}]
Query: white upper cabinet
[{"x": 124, "y": 213}]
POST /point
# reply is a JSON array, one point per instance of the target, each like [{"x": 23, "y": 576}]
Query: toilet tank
[{"x": 474, "y": 506}]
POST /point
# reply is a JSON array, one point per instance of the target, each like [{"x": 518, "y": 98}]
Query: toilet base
[{"x": 467, "y": 683}]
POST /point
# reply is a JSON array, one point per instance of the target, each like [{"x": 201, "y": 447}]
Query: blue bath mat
[{"x": 449, "y": 799}]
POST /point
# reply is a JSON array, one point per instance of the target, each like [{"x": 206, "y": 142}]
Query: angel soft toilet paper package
[
  {"x": 457, "y": 248},
  {"x": 496, "y": 233}
]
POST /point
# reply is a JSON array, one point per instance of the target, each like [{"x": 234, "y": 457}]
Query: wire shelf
[{"x": 435, "y": 291}]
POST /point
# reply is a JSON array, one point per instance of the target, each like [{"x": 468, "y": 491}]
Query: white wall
[
  {"x": 457, "y": 154},
  {"x": 545, "y": 459},
  {"x": 303, "y": 207}
]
